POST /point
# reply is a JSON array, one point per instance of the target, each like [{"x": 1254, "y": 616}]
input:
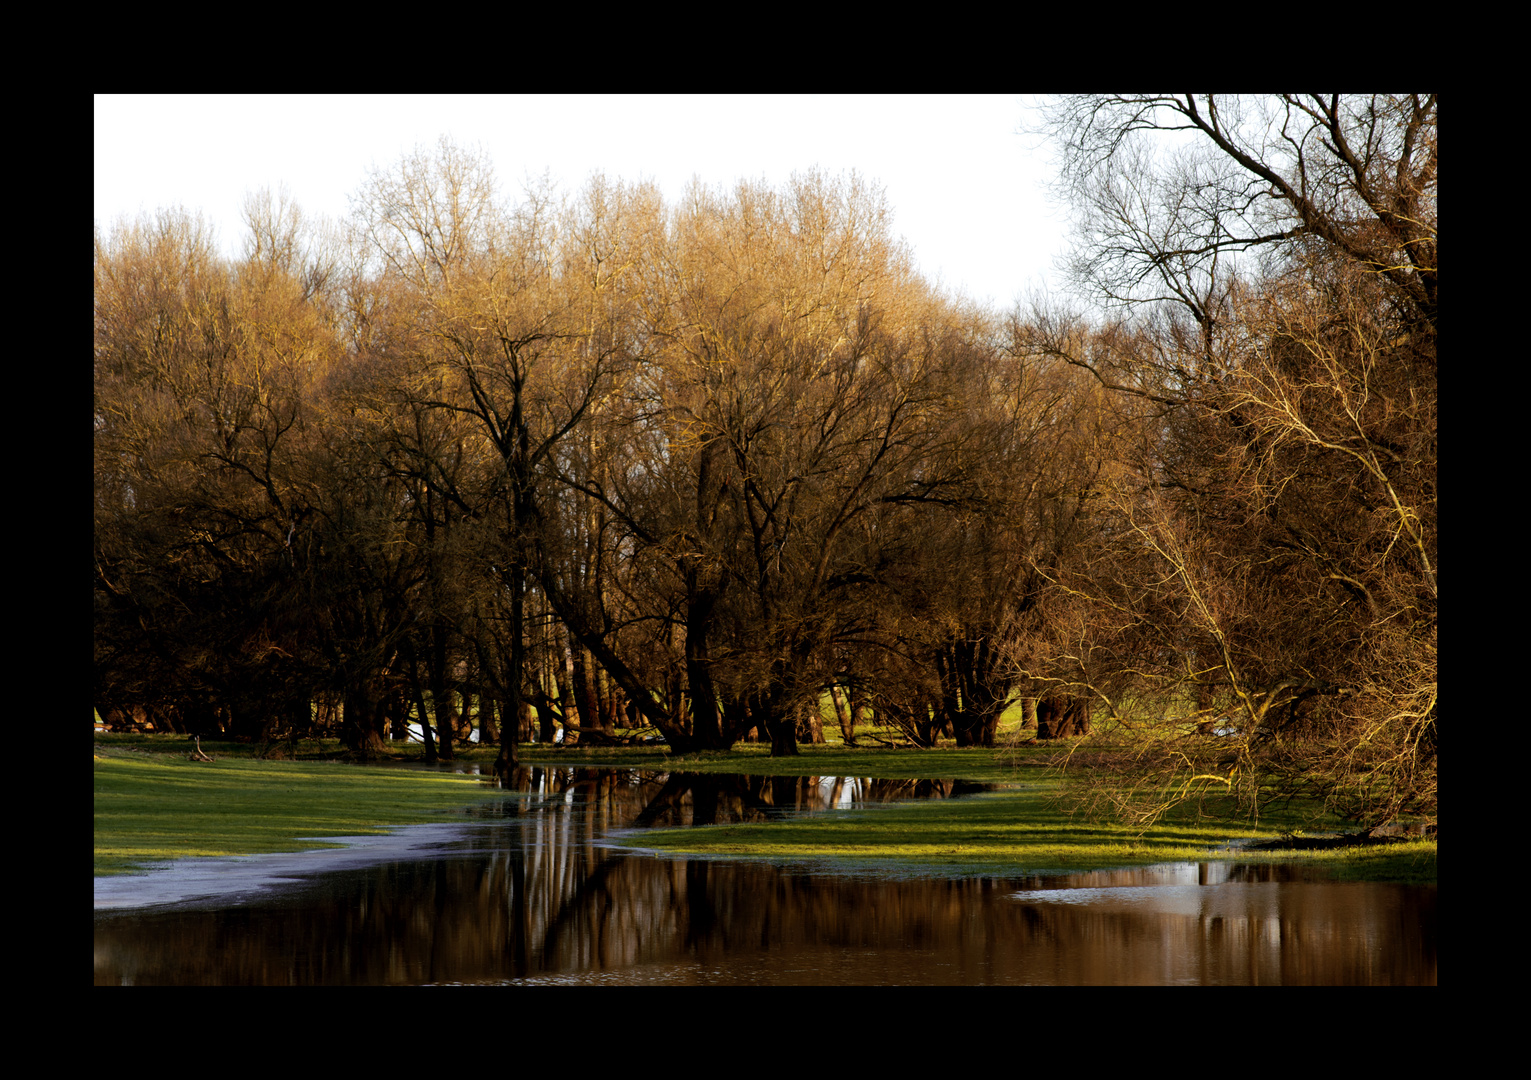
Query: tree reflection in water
[{"x": 536, "y": 893}]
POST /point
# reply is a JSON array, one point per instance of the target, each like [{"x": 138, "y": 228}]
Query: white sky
[{"x": 968, "y": 190}]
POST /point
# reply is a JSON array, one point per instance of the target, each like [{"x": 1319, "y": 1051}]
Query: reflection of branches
[{"x": 709, "y": 792}]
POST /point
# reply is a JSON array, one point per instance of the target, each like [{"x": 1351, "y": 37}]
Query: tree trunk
[
  {"x": 670, "y": 725},
  {"x": 441, "y": 691},
  {"x": 707, "y": 725},
  {"x": 584, "y": 690},
  {"x": 398, "y": 711},
  {"x": 548, "y": 682},
  {"x": 564, "y": 679},
  {"x": 505, "y": 761},
  {"x": 783, "y": 736},
  {"x": 844, "y": 715},
  {"x": 546, "y": 728},
  {"x": 780, "y": 724},
  {"x": 1062, "y": 716},
  {"x": 488, "y": 730},
  {"x": 418, "y": 691},
  {"x": 810, "y": 724},
  {"x": 861, "y": 708},
  {"x": 737, "y": 722},
  {"x": 358, "y": 728},
  {"x": 928, "y": 718},
  {"x": 609, "y": 697}
]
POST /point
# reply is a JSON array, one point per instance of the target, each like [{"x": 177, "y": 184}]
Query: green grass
[
  {"x": 1022, "y": 830},
  {"x": 1412, "y": 863},
  {"x": 151, "y": 807}
]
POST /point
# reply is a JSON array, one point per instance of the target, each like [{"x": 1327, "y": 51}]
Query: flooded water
[{"x": 536, "y": 893}]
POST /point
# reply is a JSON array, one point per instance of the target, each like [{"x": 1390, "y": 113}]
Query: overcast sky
[{"x": 968, "y": 190}]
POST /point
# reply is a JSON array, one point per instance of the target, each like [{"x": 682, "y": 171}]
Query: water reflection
[
  {"x": 535, "y": 894},
  {"x": 632, "y": 798},
  {"x": 1222, "y": 923}
]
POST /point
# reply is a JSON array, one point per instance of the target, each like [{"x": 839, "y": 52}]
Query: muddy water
[{"x": 538, "y": 895}]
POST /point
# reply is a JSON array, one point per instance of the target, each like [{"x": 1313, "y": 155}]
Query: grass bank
[
  {"x": 1027, "y": 829},
  {"x": 152, "y": 804}
]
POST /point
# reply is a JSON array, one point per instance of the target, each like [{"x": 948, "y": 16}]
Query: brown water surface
[{"x": 538, "y": 895}]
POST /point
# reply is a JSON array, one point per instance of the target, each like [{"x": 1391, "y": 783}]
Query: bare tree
[
  {"x": 524, "y": 338},
  {"x": 1272, "y": 267},
  {"x": 206, "y": 447}
]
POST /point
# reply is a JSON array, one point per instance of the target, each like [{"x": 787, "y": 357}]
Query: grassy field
[
  {"x": 1023, "y": 830},
  {"x": 151, "y": 804}
]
